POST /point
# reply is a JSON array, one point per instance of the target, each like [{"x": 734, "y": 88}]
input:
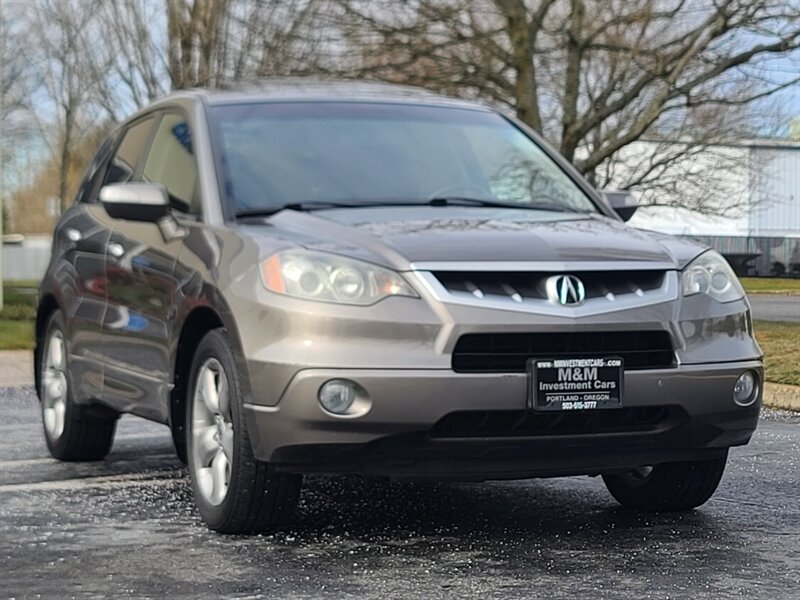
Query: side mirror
[
  {"x": 135, "y": 201},
  {"x": 622, "y": 201}
]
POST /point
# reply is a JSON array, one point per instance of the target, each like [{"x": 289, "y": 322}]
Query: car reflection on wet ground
[{"x": 126, "y": 527}]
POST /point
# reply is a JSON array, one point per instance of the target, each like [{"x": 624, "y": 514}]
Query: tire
[
  {"x": 234, "y": 492},
  {"x": 669, "y": 487},
  {"x": 73, "y": 432},
  {"x": 179, "y": 442}
]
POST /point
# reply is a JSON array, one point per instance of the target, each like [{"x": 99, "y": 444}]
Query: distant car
[{"x": 356, "y": 278}]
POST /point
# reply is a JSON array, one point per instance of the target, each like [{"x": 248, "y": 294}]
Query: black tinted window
[
  {"x": 89, "y": 184},
  {"x": 171, "y": 162},
  {"x": 133, "y": 143}
]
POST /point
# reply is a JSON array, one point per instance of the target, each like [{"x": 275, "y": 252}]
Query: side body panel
[
  {"x": 76, "y": 279},
  {"x": 139, "y": 322},
  {"x": 153, "y": 279},
  {"x": 78, "y": 274}
]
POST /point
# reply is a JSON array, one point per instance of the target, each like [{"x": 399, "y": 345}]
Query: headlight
[
  {"x": 331, "y": 278},
  {"x": 710, "y": 274}
]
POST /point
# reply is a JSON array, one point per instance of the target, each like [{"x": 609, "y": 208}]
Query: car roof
[{"x": 315, "y": 90}]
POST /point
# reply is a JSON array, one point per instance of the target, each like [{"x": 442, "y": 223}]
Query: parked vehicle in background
[{"x": 323, "y": 278}]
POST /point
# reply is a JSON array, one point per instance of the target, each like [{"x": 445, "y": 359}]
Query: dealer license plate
[{"x": 576, "y": 383}]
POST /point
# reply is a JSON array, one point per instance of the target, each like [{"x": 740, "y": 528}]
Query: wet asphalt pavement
[{"x": 126, "y": 527}]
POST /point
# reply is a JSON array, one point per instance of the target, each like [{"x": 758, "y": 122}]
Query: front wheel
[
  {"x": 667, "y": 487},
  {"x": 234, "y": 492}
]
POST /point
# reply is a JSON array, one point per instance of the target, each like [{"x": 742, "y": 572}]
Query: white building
[{"x": 742, "y": 199}]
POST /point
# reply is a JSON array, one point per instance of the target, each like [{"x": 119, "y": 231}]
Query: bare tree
[
  {"x": 91, "y": 63},
  {"x": 215, "y": 42},
  {"x": 130, "y": 67},
  {"x": 593, "y": 76},
  {"x": 193, "y": 37},
  {"x": 15, "y": 69},
  {"x": 17, "y": 80},
  {"x": 292, "y": 38},
  {"x": 65, "y": 105}
]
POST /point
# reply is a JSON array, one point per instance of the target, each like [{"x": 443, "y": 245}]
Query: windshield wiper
[
  {"x": 299, "y": 206},
  {"x": 436, "y": 201},
  {"x": 464, "y": 201}
]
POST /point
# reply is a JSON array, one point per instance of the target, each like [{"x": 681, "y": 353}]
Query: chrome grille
[{"x": 520, "y": 286}]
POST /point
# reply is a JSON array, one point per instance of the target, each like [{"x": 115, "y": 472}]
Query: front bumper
[{"x": 412, "y": 428}]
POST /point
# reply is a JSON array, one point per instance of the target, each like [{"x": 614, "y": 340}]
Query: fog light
[
  {"x": 338, "y": 395},
  {"x": 746, "y": 389}
]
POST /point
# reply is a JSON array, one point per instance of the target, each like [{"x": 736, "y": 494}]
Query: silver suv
[{"x": 353, "y": 278}]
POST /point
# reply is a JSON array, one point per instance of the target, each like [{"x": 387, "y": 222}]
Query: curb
[{"x": 785, "y": 397}]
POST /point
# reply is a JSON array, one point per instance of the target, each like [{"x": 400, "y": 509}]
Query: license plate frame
[{"x": 590, "y": 383}]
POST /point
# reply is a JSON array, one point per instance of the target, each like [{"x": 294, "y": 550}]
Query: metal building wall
[
  {"x": 775, "y": 191},
  {"x": 27, "y": 260},
  {"x": 773, "y": 256}
]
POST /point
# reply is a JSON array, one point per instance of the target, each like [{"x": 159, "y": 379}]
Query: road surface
[
  {"x": 775, "y": 308},
  {"x": 126, "y": 528}
]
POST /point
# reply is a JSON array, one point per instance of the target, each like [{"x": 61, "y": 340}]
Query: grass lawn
[
  {"x": 16, "y": 318},
  {"x": 16, "y": 335},
  {"x": 770, "y": 285},
  {"x": 781, "y": 345}
]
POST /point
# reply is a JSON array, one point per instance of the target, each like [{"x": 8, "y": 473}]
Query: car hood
[{"x": 401, "y": 237}]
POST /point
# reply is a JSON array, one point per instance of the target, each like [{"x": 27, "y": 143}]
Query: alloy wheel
[
  {"x": 54, "y": 386},
  {"x": 212, "y": 432}
]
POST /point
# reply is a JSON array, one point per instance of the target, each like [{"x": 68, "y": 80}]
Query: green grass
[
  {"x": 781, "y": 345},
  {"x": 18, "y": 314},
  {"x": 770, "y": 285},
  {"x": 16, "y": 335},
  {"x": 30, "y": 284}
]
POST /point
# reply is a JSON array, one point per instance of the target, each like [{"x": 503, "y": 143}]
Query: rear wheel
[
  {"x": 73, "y": 432},
  {"x": 667, "y": 487},
  {"x": 234, "y": 492}
]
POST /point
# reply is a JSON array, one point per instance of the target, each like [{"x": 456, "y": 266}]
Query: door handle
[
  {"x": 116, "y": 250},
  {"x": 73, "y": 235}
]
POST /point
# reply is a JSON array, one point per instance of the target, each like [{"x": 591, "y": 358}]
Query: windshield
[{"x": 277, "y": 154}]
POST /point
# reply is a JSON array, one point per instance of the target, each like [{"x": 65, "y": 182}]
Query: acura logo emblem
[{"x": 565, "y": 290}]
